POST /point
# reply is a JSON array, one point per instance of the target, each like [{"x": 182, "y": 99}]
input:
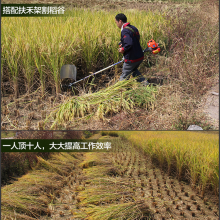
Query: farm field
[
  {"x": 32, "y": 98},
  {"x": 126, "y": 183},
  {"x": 193, "y": 156}
]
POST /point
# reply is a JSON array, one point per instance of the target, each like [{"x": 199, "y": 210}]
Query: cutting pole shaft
[
  {"x": 96, "y": 72},
  {"x": 145, "y": 50}
]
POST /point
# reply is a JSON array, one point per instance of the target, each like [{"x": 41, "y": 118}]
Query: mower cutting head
[{"x": 68, "y": 71}]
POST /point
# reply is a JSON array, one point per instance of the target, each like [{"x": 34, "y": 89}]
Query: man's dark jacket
[{"x": 131, "y": 45}]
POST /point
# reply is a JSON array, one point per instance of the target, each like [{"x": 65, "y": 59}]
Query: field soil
[
  {"x": 30, "y": 111},
  {"x": 126, "y": 184}
]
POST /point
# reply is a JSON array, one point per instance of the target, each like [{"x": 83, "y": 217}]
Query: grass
[{"x": 190, "y": 69}]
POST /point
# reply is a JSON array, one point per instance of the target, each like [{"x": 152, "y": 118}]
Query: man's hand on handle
[{"x": 120, "y": 50}]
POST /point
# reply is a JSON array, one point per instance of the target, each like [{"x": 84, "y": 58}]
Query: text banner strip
[
  {"x": 58, "y": 145},
  {"x": 31, "y": 10}
]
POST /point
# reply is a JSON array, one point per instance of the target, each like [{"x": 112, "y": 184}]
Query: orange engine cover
[{"x": 151, "y": 43}]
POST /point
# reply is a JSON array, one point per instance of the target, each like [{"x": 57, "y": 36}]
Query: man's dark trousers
[{"x": 129, "y": 68}]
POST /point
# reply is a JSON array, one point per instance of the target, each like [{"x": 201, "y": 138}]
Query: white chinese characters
[{"x": 33, "y": 10}]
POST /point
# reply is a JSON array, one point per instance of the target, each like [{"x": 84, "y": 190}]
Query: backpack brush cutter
[{"x": 70, "y": 71}]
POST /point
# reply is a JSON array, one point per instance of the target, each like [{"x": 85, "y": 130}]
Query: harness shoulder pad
[{"x": 130, "y": 28}]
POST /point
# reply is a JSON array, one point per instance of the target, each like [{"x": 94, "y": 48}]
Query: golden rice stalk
[{"x": 123, "y": 95}]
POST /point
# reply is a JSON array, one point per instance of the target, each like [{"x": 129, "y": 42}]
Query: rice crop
[
  {"x": 195, "y": 153},
  {"x": 29, "y": 198},
  {"x": 121, "y": 184},
  {"x": 35, "y": 49},
  {"x": 122, "y": 96}
]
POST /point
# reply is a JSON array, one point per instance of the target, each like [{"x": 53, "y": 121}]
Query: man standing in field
[{"x": 130, "y": 48}]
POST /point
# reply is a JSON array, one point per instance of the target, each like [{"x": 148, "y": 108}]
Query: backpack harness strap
[{"x": 129, "y": 28}]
